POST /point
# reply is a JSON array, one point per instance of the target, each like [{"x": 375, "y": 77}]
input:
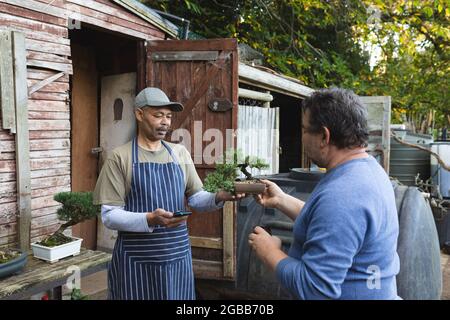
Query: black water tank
[{"x": 418, "y": 246}]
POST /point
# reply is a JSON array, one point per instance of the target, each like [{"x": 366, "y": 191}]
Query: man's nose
[{"x": 165, "y": 121}]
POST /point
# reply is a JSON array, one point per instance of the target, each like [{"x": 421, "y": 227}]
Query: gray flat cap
[{"x": 154, "y": 97}]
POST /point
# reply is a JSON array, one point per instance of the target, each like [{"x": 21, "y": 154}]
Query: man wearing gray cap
[{"x": 140, "y": 187}]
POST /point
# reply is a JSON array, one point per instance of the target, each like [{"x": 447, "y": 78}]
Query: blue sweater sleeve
[{"x": 334, "y": 236}]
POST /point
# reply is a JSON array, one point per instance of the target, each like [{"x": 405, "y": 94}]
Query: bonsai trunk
[
  {"x": 243, "y": 168},
  {"x": 64, "y": 226},
  {"x": 58, "y": 236}
]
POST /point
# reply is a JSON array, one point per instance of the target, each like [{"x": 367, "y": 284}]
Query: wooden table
[{"x": 39, "y": 276}]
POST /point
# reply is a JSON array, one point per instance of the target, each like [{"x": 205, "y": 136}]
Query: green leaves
[
  {"x": 222, "y": 178},
  {"x": 76, "y": 294},
  {"x": 226, "y": 172},
  {"x": 326, "y": 43},
  {"x": 76, "y": 207}
]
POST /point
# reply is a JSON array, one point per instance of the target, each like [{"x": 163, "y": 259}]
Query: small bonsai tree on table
[
  {"x": 76, "y": 207},
  {"x": 226, "y": 174}
]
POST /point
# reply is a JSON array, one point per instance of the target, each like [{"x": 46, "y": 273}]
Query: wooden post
[
  {"x": 6, "y": 82},
  {"x": 255, "y": 95},
  {"x": 266, "y": 104},
  {"x": 276, "y": 144},
  {"x": 386, "y": 132},
  {"x": 22, "y": 140},
  {"x": 228, "y": 240}
]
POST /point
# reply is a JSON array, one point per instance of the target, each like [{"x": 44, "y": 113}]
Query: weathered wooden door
[
  {"x": 117, "y": 127},
  {"x": 203, "y": 76},
  {"x": 84, "y": 133}
]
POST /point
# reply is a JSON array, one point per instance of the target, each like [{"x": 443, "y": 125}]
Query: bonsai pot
[
  {"x": 13, "y": 266},
  {"x": 53, "y": 254},
  {"x": 249, "y": 186}
]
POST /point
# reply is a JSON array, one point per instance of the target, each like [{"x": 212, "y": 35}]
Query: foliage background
[{"x": 394, "y": 47}]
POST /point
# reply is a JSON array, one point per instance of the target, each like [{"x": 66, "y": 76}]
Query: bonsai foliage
[
  {"x": 8, "y": 255},
  {"x": 227, "y": 171},
  {"x": 76, "y": 207}
]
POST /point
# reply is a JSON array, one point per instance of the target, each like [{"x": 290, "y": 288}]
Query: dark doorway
[
  {"x": 95, "y": 54},
  {"x": 290, "y": 131}
]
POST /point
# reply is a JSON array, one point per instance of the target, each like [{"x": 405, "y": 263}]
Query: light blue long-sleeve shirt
[
  {"x": 117, "y": 218},
  {"x": 345, "y": 239}
]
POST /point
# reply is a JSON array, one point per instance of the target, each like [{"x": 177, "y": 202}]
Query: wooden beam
[
  {"x": 194, "y": 45},
  {"x": 41, "y": 7},
  {"x": 207, "y": 269},
  {"x": 205, "y": 242},
  {"x": 276, "y": 145},
  {"x": 387, "y": 133},
  {"x": 22, "y": 141},
  {"x": 42, "y": 36},
  {"x": 44, "y": 82},
  {"x": 113, "y": 10},
  {"x": 185, "y": 55},
  {"x": 62, "y": 67},
  {"x": 255, "y": 95},
  {"x": 24, "y": 12},
  {"x": 7, "y": 82},
  {"x": 35, "y": 55},
  {"x": 272, "y": 82},
  {"x": 48, "y": 47},
  {"x": 229, "y": 269},
  {"x": 141, "y": 50},
  {"x": 35, "y": 26}
]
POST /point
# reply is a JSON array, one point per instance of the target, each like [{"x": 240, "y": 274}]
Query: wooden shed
[
  {"x": 69, "y": 71},
  {"x": 54, "y": 56}
]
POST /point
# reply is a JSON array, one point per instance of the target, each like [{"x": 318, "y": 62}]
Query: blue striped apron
[{"x": 156, "y": 265}]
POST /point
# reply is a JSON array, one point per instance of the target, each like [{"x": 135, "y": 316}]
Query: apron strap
[
  {"x": 171, "y": 153},
  {"x": 134, "y": 151}
]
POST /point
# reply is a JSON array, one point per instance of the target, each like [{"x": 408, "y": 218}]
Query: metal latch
[{"x": 96, "y": 150}]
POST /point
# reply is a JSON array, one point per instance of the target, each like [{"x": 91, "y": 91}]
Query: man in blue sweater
[{"x": 345, "y": 235}]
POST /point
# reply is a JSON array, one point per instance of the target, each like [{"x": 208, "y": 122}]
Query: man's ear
[
  {"x": 139, "y": 113},
  {"x": 326, "y": 136}
]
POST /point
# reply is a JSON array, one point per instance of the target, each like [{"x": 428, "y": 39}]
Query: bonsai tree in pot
[
  {"x": 225, "y": 176},
  {"x": 76, "y": 207}
]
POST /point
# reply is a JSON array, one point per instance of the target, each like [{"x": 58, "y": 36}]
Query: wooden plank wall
[{"x": 48, "y": 53}]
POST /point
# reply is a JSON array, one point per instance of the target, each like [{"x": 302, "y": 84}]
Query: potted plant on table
[
  {"x": 12, "y": 261},
  {"x": 76, "y": 207},
  {"x": 225, "y": 176}
]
